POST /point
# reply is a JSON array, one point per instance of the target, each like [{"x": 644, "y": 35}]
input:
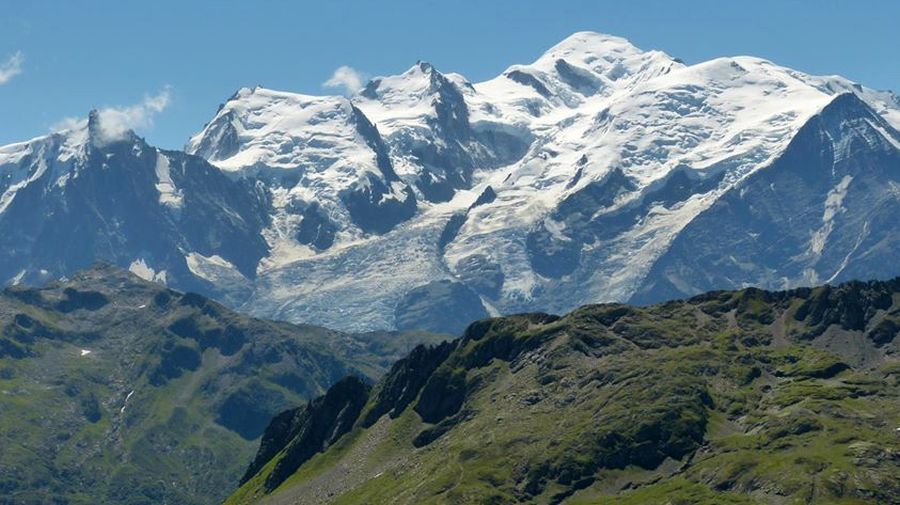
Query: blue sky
[{"x": 60, "y": 59}]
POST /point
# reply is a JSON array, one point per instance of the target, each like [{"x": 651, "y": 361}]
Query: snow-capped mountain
[
  {"x": 80, "y": 196},
  {"x": 325, "y": 165},
  {"x": 426, "y": 119},
  {"x": 824, "y": 210},
  {"x": 599, "y": 172}
]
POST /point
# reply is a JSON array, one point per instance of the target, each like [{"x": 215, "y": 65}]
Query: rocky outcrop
[
  {"x": 303, "y": 432},
  {"x": 851, "y": 305},
  {"x": 401, "y": 386}
]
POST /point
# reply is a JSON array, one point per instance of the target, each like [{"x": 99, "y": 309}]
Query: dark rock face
[
  {"x": 407, "y": 377},
  {"x": 446, "y": 390},
  {"x": 526, "y": 79},
  {"x": 451, "y": 147},
  {"x": 442, "y": 397},
  {"x": 223, "y": 141},
  {"x": 885, "y": 332},
  {"x": 556, "y": 254},
  {"x": 373, "y": 139},
  {"x": 581, "y": 80},
  {"x": 310, "y": 429},
  {"x": 371, "y": 204},
  {"x": 302, "y": 432},
  {"x": 439, "y": 306},
  {"x": 374, "y": 213},
  {"x": 451, "y": 230},
  {"x": 316, "y": 229},
  {"x": 850, "y": 305},
  {"x": 487, "y": 196},
  {"x": 481, "y": 274},
  {"x": 447, "y": 164},
  {"x": 305, "y": 431},
  {"x": 280, "y": 430},
  {"x": 457, "y": 221},
  {"x": 822, "y": 211}
]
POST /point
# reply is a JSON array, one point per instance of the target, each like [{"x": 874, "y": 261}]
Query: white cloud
[
  {"x": 12, "y": 67},
  {"x": 346, "y": 78},
  {"x": 115, "y": 122},
  {"x": 68, "y": 123}
]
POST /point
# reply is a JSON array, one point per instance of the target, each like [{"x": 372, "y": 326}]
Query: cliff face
[
  {"x": 295, "y": 436},
  {"x": 303, "y": 432}
]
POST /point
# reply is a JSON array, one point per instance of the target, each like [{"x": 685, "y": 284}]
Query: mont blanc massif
[{"x": 600, "y": 173}]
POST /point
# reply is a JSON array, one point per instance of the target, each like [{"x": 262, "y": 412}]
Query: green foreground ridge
[
  {"x": 114, "y": 390},
  {"x": 730, "y": 397}
]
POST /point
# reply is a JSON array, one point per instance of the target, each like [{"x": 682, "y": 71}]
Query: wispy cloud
[
  {"x": 68, "y": 123},
  {"x": 115, "y": 122},
  {"x": 347, "y": 79},
  {"x": 13, "y": 66}
]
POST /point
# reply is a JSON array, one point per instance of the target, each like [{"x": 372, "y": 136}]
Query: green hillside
[
  {"x": 118, "y": 391},
  {"x": 731, "y": 397}
]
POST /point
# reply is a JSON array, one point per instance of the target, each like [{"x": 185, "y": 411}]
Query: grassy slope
[
  {"x": 725, "y": 399},
  {"x": 188, "y": 429}
]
